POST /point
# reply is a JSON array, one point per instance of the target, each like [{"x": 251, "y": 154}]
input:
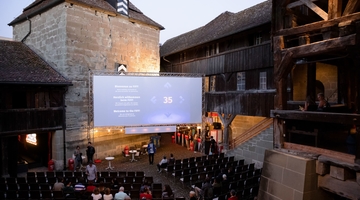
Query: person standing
[
  {"x": 90, "y": 151},
  {"x": 151, "y": 149},
  {"x": 77, "y": 158},
  {"x": 91, "y": 172}
]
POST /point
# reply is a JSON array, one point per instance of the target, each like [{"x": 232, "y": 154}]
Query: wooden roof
[
  {"x": 40, "y": 6},
  {"x": 224, "y": 25},
  {"x": 20, "y": 65}
]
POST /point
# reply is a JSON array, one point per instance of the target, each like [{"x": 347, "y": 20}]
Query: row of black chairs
[{"x": 82, "y": 174}]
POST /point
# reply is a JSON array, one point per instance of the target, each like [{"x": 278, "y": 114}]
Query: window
[
  {"x": 262, "y": 85},
  {"x": 207, "y": 53},
  {"x": 212, "y": 83},
  {"x": 241, "y": 81},
  {"x": 182, "y": 57},
  {"x": 257, "y": 39},
  {"x": 217, "y": 48}
]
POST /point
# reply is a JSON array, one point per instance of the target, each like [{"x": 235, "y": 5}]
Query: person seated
[
  {"x": 233, "y": 195},
  {"x": 206, "y": 185},
  {"x": 172, "y": 159},
  {"x": 59, "y": 185},
  {"x": 91, "y": 187},
  {"x": 167, "y": 192},
  {"x": 68, "y": 190},
  {"x": 121, "y": 195},
  {"x": 96, "y": 194},
  {"x": 323, "y": 104},
  {"x": 146, "y": 194},
  {"x": 309, "y": 105},
  {"x": 192, "y": 195},
  {"x": 79, "y": 186},
  {"x": 107, "y": 194},
  {"x": 162, "y": 164}
]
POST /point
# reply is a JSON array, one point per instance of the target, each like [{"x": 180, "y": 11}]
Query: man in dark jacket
[{"x": 90, "y": 151}]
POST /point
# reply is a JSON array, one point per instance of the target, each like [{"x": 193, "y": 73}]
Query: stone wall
[
  {"x": 253, "y": 150},
  {"x": 76, "y": 40},
  {"x": 289, "y": 177}
]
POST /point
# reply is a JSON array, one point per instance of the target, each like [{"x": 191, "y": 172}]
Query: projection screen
[{"x": 146, "y": 100}]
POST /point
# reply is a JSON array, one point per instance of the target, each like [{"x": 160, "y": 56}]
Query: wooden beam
[
  {"x": 316, "y": 25},
  {"x": 333, "y": 154},
  {"x": 321, "y": 47},
  {"x": 335, "y": 7},
  {"x": 285, "y": 65},
  {"x": 337, "y": 118},
  {"x": 316, "y": 9},
  {"x": 296, "y": 4},
  {"x": 351, "y": 7}
]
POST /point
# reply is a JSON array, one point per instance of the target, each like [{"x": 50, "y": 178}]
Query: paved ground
[{"x": 121, "y": 163}]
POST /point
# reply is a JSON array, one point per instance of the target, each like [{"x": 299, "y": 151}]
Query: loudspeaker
[{"x": 217, "y": 125}]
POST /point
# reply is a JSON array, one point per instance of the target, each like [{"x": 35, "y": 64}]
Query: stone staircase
[{"x": 253, "y": 143}]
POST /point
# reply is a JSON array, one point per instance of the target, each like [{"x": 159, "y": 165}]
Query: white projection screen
[{"x": 146, "y": 100}]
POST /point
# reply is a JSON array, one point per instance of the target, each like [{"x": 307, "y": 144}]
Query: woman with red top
[
  {"x": 233, "y": 195},
  {"x": 90, "y": 187},
  {"x": 146, "y": 194}
]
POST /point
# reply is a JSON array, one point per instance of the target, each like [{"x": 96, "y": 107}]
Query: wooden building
[
  {"x": 316, "y": 50},
  {"x": 233, "y": 52},
  {"x": 31, "y": 102}
]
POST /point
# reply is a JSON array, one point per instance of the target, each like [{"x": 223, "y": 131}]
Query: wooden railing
[{"x": 252, "y": 132}]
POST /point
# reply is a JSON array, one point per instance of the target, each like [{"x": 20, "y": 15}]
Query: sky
[{"x": 176, "y": 16}]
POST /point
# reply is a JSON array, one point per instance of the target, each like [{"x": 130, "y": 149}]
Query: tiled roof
[
  {"x": 224, "y": 25},
  {"x": 20, "y": 65},
  {"x": 39, "y": 6}
]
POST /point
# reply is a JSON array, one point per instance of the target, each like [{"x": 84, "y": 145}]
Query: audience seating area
[
  {"x": 191, "y": 172},
  {"x": 38, "y": 185}
]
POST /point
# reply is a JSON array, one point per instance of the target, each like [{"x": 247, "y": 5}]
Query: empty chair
[
  {"x": 68, "y": 174},
  {"x": 3, "y": 187},
  {"x": 23, "y": 186},
  {"x": 30, "y": 174},
  {"x": 140, "y": 174},
  {"x": 41, "y": 179},
  {"x": 131, "y": 174},
  {"x": 10, "y": 180},
  {"x": 120, "y": 180},
  {"x": 149, "y": 179},
  {"x": 136, "y": 187},
  {"x": 197, "y": 159},
  {"x": 156, "y": 186},
  {"x": 113, "y": 174},
  {"x": 156, "y": 194},
  {"x": 192, "y": 159},
  {"x": 129, "y": 179},
  {"x": 46, "y": 194},
  {"x": 138, "y": 179},
  {"x": 58, "y": 195},
  {"x": 60, "y": 174},
  {"x": 34, "y": 186},
  {"x": 122, "y": 174},
  {"x": 2, "y": 180},
  {"x": 21, "y": 180},
  {"x": 12, "y": 186},
  {"x": 135, "y": 194},
  {"x": 40, "y": 174},
  {"x": 50, "y": 174},
  {"x": 104, "y": 174},
  {"x": 45, "y": 186},
  {"x": 31, "y": 179},
  {"x": 11, "y": 194},
  {"x": 35, "y": 194},
  {"x": 185, "y": 180},
  {"x": 23, "y": 194},
  {"x": 78, "y": 174},
  {"x": 51, "y": 180}
]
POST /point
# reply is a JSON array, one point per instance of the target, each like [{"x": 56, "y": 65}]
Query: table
[
  {"x": 133, "y": 152},
  {"x": 110, "y": 159}
]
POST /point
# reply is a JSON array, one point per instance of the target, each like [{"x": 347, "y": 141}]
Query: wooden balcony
[{"x": 15, "y": 121}]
